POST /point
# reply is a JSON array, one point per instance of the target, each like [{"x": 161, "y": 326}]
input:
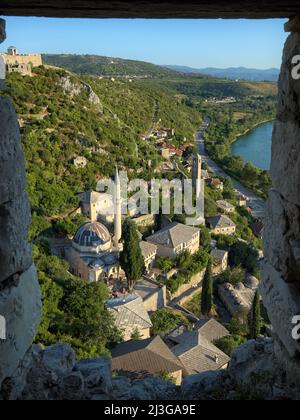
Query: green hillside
[
  {"x": 105, "y": 66},
  {"x": 60, "y": 120}
]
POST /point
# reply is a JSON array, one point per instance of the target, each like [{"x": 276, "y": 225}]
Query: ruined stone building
[{"x": 20, "y": 63}]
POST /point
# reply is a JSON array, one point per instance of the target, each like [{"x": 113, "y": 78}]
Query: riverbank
[
  {"x": 248, "y": 131},
  {"x": 255, "y": 201},
  {"x": 255, "y": 146}
]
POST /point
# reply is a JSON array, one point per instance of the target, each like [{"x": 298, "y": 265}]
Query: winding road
[{"x": 256, "y": 203}]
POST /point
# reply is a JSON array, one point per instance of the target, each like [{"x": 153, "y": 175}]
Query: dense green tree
[
  {"x": 131, "y": 259},
  {"x": 238, "y": 324},
  {"x": 165, "y": 320},
  {"x": 164, "y": 264},
  {"x": 255, "y": 319},
  {"x": 244, "y": 255},
  {"x": 233, "y": 275},
  {"x": 205, "y": 238},
  {"x": 74, "y": 312},
  {"x": 207, "y": 298},
  {"x": 136, "y": 335},
  {"x": 230, "y": 343}
]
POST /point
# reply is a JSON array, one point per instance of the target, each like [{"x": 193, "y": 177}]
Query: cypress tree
[
  {"x": 255, "y": 317},
  {"x": 207, "y": 296},
  {"x": 131, "y": 258}
]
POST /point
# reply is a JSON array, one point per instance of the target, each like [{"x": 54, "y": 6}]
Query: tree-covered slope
[
  {"x": 105, "y": 66},
  {"x": 60, "y": 119}
]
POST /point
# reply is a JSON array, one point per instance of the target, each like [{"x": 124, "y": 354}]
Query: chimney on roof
[{"x": 216, "y": 358}]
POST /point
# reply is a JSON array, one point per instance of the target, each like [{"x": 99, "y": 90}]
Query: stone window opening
[{"x": 281, "y": 267}]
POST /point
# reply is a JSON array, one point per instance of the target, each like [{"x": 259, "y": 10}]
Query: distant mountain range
[{"x": 232, "y": 73}]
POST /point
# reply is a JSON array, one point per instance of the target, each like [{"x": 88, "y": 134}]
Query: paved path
[{"x": 256, "y": 203}]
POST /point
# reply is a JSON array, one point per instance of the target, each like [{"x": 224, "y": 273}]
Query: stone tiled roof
[
  {"x": 146, "y": 288},
  {"x": 211, "y": 330},
  {"x": 198, "y": 355},
  {"x": 218, "y": 255},
  {"x": 129, "y": 312},
  {"x": 237, "y": 297},
  {"x": 150, "y": 356},
  {"x": 224, "y": 205},
  {"x": 220, "y": 221},
  {"x": 173, "y": 235},
  {"x": 147, "y": 248}
]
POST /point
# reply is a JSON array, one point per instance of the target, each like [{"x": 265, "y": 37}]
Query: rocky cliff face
[
  {"x": 281, "y": 271},
  {"x": 20, "y": 301}
]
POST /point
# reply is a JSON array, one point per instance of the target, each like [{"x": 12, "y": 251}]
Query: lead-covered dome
[{"x": 92, "y": 236}]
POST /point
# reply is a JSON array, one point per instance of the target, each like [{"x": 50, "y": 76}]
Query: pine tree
[
  {"x": 207, "y": 298},
  {"x": 255, "y": 317},
  {"x": 131, "y": 259}
]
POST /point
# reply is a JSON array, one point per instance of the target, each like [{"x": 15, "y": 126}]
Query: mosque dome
[{"x": 92, "y": 237}]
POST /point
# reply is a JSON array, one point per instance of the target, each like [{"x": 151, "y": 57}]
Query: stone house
[
  {"x": 149, "y": 252},
  {"x": 130, "y": 316},
  {"x": 241, "y": 200},
  {"x": 216, "y": 184},
  {"x": 220, "y": 261},
  {"x": 197, "y": 354},
  {"x": 221, "y": 225},
  {"x": 100, "y": 207},
  {"x": 145, "y": 220},
  {"x": 226, "y": 207},
  {"x": 175, "y": 239}
]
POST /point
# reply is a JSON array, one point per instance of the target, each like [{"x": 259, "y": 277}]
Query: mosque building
[{"x": 94, "y": 254}]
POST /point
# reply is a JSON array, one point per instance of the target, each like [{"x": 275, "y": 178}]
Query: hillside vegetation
[
  {"x": 105, "y": 66},
  {"x": 60, "y": 120}
]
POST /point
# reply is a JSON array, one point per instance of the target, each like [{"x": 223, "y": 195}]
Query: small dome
[
  {"x": 252, "y": 282},
  {"x": 92, "y": 235}
]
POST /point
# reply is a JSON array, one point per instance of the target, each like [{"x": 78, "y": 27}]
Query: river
[{"x": 255, "y": 146}]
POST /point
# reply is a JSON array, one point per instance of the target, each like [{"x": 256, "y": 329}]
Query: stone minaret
[
  {"x": 118, "y": 211},
  {"x": 197, "y": 174}
]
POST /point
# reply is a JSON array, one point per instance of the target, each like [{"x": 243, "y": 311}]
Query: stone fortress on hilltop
[{"x": 20, "y": 63}]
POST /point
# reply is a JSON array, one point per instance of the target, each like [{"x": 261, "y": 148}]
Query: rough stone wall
[
  {"x": 281, "y": 268},
  {"x": 20, "y": 300},
  {"x": 34, "y": 59},
  {"x": 151, "y": 8}
]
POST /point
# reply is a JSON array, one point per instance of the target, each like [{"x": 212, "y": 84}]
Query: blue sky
[{"x": 195, "y": 43}]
